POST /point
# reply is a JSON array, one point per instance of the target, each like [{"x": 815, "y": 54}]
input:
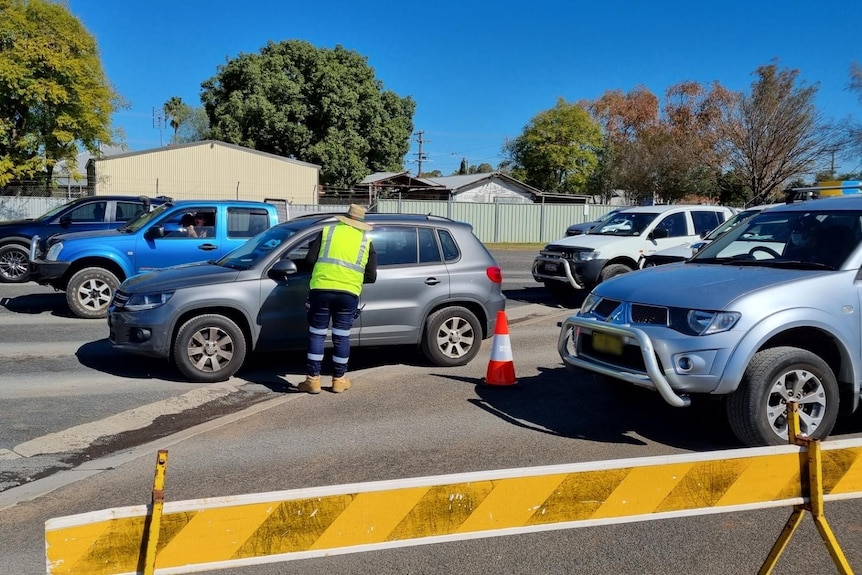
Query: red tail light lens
[{"x": 495, "y": 274}]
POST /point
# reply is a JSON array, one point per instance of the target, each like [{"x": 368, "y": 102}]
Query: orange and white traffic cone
[{"x": 501, "y": 368}]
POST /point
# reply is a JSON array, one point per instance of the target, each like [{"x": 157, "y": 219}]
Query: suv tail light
[{"x": 495, "y": 274}]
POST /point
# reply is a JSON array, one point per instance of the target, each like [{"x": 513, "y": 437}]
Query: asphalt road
[{"x": 400, "y": 420}]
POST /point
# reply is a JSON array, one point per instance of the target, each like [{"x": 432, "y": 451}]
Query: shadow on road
[
  {"x": 54, "y": 303},
  {"x": 571, "y": 299}
]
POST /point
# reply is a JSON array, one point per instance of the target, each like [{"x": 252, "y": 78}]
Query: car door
[
  {"x": 679, "y": 231},
  {"x": 85, "y": 217},
  {"x": 282, "y": 317},
  {"x": 176, "y": 246},
  {"x": 411, "y": 278}
]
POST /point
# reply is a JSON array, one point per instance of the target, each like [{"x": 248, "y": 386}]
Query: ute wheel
[
  {"x": 614, "y": 270},
  {"x": 90, "y": 291},
  {"x": 14, "y": 263},
  {"x": 756, "y": 411},
  {"x": 209, "y": 348},
  {"x": 452, "y": 336}
]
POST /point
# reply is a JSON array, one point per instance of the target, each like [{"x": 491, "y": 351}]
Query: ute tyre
[
  {"x": 209, "y": 348},
  {"x": 754, "y": 410},
  {"x": 614, "y": 270},
  {"x": 14, "y": 264},
  {"x": 89, "y": 292},
  {"x": 452, "y": 337}
]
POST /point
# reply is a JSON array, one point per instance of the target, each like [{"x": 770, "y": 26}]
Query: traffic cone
[{"x": 501, "y": 368}]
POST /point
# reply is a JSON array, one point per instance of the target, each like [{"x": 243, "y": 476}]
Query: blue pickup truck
[
  {"x": 81, "y": 215},
  {"x": 89, "y": 266}
]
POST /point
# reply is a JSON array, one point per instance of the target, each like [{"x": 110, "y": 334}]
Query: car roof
[
  {"x": 375, "y": 218},
  {"x": 849, "y": 202},
  {"x": 668, "y": 207}
]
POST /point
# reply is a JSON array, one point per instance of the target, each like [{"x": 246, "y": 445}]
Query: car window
[
  {"x": 625, "y": 224},
  {"x": 704, "y": 221},
  {"x": 429, "y": 251},
  {"x": 246, "y": 222},
  {"x": 450, "y": 248},
  {"x": 395, "y": 245},
  {"x": 127, "y": 211},
  {"x": 92, "y": 212},
  {"x": 675, "y": 224},
  {"x": 192, "y": 224}
]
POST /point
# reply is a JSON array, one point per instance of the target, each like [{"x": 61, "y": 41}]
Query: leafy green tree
[
  {"x": 320, "y": 105},
  {"x": 177, "y": 113},
  {"x": 195, "y": 127},
  {"x": 464, "y": 169},
  {"x": 54, "y": 96},
  {"x": 557, "y": 150}
]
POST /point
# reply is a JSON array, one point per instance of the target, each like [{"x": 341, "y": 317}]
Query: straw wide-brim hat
[{"x": 355, "y": 217}]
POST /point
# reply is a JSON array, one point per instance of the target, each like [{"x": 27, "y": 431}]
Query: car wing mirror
[
  {"x": 156, "y": 231},
  {"x": 282, "y": 269},
  {"x": 658, "y": 234}
]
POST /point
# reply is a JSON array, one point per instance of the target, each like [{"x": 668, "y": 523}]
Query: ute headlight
[
  {"x": 709, "y": 322},
  {"x": 590, "y": 303},
  {"x": 586, "y": 256},
  {"x": 144, "y": 301},
  {"x": 54, "y": 252}
]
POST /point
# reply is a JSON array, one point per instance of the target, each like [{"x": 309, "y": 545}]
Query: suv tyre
[
  {"x": 452, "y": 336},
  {"x": 757, "y": 409},
  {"x": 89, "y": 292},
  {"x": 614, "y": 270},
  {"x": 209, "y": 348},
  {"x": 14, "y": 263}
]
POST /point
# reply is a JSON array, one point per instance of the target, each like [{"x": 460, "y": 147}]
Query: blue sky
[{"x": 480, "y": 70}]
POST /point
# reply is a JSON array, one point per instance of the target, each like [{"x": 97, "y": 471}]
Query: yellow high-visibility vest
[{"x": 341, "y": 259}]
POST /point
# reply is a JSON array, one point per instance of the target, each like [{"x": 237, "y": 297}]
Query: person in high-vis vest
[{"x": 343, "y": 258}]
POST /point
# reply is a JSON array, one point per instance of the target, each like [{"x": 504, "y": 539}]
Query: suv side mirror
[
  {"x": 156, "y": 231},
  {"x": 658, "y": 234},
  {"x": 282, "y": 269}
]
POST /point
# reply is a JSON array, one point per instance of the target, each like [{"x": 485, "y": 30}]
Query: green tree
[
  {"x": 195, "y": 127},
  {"x": 320, "y": 105},
  {"x": 54, "y": 96},
  {"x": 464, "y": 169},
  {"x": 177, "y": 113},
  {"x": 557, "y": 150}
]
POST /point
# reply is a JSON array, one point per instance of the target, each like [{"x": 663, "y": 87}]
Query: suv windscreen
[
  {"x": 625, "y": 224},
  {"x": 258, "y": 247},
  {"x": 809, "y": 239}
]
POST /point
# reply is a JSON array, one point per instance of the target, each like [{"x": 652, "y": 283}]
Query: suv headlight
[
  {"x": 586, "y": 256},
  {"x": 144, "y": 301},
  {"x": 54, "y": 252},
  {"x": 709, "y": 322},
  {"x": 590, "y": 303}
]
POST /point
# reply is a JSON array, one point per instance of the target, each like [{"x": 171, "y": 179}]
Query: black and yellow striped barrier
[{"x": 216, "y": 533}]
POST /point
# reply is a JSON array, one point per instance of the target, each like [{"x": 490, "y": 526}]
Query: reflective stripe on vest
[{"x": 337, "y": 268}]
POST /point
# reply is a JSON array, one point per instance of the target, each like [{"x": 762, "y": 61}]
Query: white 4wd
[{"x": 617, "y": 245}]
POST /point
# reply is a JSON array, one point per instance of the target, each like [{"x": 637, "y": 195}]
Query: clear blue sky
[{"x": 480, "y": 70}]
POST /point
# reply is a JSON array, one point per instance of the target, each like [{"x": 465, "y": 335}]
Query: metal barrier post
[
  {"x": 154, "y": 521},
  {"x": 812, "y": 466}
]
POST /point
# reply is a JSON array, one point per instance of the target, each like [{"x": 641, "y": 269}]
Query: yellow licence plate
[{"x": 607, "y": 343}]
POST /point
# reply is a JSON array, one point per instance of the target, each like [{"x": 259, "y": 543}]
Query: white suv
[{"x": 620, "y": 243}]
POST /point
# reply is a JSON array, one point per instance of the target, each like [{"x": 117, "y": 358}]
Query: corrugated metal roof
[{"x": 210, "y": 143}]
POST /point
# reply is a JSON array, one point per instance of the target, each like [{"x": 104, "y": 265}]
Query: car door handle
[
  {"x": 432, "y": 281},
  {"x": 207, "y": 247}
]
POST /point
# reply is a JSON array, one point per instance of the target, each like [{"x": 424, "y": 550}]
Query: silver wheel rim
[
  {"x": 94, "y": 294},
  {"x": 13, "y": 265},
  {"x": 455, "y": 337},
  {"x": 804, "y": 388},
  {"x": 210, "y": 349}
]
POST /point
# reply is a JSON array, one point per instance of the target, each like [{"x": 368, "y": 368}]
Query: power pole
[
  {"x": 159, "y": 121},
  {"x": 420, "y": 155}
]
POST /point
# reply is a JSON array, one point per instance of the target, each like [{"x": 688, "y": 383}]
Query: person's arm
[{"x": 371, "y": 266}]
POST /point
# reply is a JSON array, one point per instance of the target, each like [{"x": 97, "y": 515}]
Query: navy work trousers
[{"x": 340, "y": 308}]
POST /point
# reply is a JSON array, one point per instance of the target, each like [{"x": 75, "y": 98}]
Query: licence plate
[
  {"x": 607, "y": 343},
  {"x": 550, "y": 267}
]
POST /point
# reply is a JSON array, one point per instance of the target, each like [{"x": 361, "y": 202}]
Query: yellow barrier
[{"x": 261, "y": 528}]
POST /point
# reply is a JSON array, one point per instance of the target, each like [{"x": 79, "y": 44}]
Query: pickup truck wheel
[
  {"x": 452, "y": 336},
  {"x": 90, "y": 291},
  {"x": 756, "y": 411},
  {"x": 614, "y": 270},
  {"x": 14, "y": 263},
  {"x": 209, "y": 348}
]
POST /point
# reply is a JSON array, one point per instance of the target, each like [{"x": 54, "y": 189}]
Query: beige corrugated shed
[{"x": 206, "y": 170}]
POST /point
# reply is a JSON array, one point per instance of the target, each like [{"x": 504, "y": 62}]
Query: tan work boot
[
  {"x": 310, "y": 385},
  {"x": 340, "y": 384}
]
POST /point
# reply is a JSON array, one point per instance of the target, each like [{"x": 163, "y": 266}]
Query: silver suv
[
  {"x": 767, "y": 314},
  {"x": 437, "y": 287}
]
